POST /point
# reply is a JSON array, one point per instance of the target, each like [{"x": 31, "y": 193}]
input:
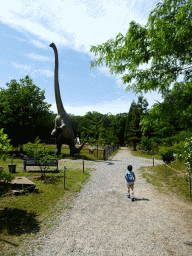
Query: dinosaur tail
[{"x": 79, "y": 149}]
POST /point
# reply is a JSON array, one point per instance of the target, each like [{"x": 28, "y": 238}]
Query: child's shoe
[
  {"x": 132, "y": 198},
  {"x": 128, "y": 195}
]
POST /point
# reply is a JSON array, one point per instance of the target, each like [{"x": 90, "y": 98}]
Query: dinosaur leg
[{"x": 59, "y": 143}]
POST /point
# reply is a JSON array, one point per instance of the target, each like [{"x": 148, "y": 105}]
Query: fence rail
[{"x": 109, "y": 151}]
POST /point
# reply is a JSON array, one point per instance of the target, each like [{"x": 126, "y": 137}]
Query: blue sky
[{"x": 27, "y": 27}]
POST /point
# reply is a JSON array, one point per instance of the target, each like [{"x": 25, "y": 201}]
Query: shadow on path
[{"x": 141, "y": 199}]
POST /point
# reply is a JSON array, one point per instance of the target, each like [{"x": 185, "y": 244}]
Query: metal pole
[
  {"x": 153, "y": 160},
  {"x": 165, "y": 170},
  {"x": 83, "y": 164},
  {"x": 64, "y": 177},
  {"x": 189, "y": 183}
]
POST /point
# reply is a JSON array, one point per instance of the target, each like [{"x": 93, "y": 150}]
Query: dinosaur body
[{"x": 63, "y": 129}]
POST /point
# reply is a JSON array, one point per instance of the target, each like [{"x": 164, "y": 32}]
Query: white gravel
[{"x": 103, "y": 221}]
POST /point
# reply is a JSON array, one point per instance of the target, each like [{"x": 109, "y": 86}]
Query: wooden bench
[{"x": 34, "y": 162}]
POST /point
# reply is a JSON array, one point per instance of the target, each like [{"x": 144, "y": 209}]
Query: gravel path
[{"x": 103, "y": 221}]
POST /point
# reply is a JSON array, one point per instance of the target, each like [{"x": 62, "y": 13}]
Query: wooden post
[
  {"x": 83, "y": 164},
  {"x": 165, "y": 170},
  {"x": 189, "y": 183},
  {"x": 64, "y": 177}
]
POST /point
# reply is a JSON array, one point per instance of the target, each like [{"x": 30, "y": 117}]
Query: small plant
[
  {"x": 5, "y": 175},
  {"x": 13, "y": 156}
]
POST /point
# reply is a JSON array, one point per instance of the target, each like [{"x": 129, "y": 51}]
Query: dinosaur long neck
[{"x": 60, "y": 107}]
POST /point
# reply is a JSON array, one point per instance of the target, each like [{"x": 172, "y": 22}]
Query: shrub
[
  {"x": 37, "y": 150},
  {"x": 5, "y": 175},
  {"x": 188, "y": 153},
  {"x": 179, "y": 150},
  {"x": 167, "y": 154},
  {"x": 182, "y": 136}
]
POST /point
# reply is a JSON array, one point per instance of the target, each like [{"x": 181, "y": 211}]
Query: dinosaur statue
[{"x": 63, "y": 128}]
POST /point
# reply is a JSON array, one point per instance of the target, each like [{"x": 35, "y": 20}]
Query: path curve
[{"x": 103, "y": 221}]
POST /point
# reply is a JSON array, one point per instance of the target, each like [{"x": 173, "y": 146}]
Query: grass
[
  {"x": 65, "y": 151},
  {"x": 173, "y": 182}
]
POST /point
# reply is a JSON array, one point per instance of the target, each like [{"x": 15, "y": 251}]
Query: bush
[
  {"x": 179, "y": 150},
  {"x": 5, "y": 175},
  {"x": 167, "y": 154},
  {"x": 182, "y": 136},
  {"x": 145, "y": 144},
  {"x": 37, "y": 150},
  {"x": 154, "y": 145}
]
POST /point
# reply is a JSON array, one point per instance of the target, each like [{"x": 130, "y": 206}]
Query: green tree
[
  {"x": 133, "y": 128},
  {"x": 102, "y": 135},
  {"x": 164, "y": 43},
  {"x": 132, "y": 135},
  {"x": 5, "y": 147},
  {"x": 23, "y": 112},
  {"x": 91, "y": 124},
  {"x": 130, "y": 117}
]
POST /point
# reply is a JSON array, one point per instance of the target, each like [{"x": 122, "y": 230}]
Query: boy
[{"x": 130, "y": 178}]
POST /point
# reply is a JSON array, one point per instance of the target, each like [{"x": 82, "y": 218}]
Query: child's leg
[
  {"x": 128, "y": 188},
  {"x": 132, "y": 192}
]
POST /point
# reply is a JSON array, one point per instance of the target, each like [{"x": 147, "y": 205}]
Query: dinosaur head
[{"x": 52, "y": 45}]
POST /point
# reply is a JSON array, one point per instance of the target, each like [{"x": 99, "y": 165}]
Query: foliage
[
  {"x": 179, "y": 150},
  {"x": 102, "y": 136},
  {"x": 167, "y": 154},
  {"x": 188, "y": 153},
  {"x": 5, "y": 146},
  {"x": 182, "y": 136},
  {"x": 25, "y": 115},
  {"x": 6, "y": 176},
  {"x": 37, "y": 150},
  {"x": 133, "y": 129},
  {"x": 145, "y": 144},
  {"x": 164, "y": 42},
  {"x": 154, "y": 145}
]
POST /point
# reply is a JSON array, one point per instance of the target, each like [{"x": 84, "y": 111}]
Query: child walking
[{"x": 130, "y": 178}]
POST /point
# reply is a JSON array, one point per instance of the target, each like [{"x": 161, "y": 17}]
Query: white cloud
[
  {"x": 76, "y": 24},
  {"x": 39, "y": 44},
  {"x": 43, "y": 72},
  {"x": 22, "y": 67},
  {"x": 38, "y": 57}
]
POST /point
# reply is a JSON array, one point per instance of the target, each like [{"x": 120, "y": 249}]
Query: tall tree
[
  {"x": 164, "y": 43},
  {"x": 23, "y": 113},
  {"x": 137, "y": 111},
  {"x": 130, "y": 117}
]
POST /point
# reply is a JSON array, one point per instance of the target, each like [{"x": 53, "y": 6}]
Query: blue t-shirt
[{"x": 130, "y": 176}]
